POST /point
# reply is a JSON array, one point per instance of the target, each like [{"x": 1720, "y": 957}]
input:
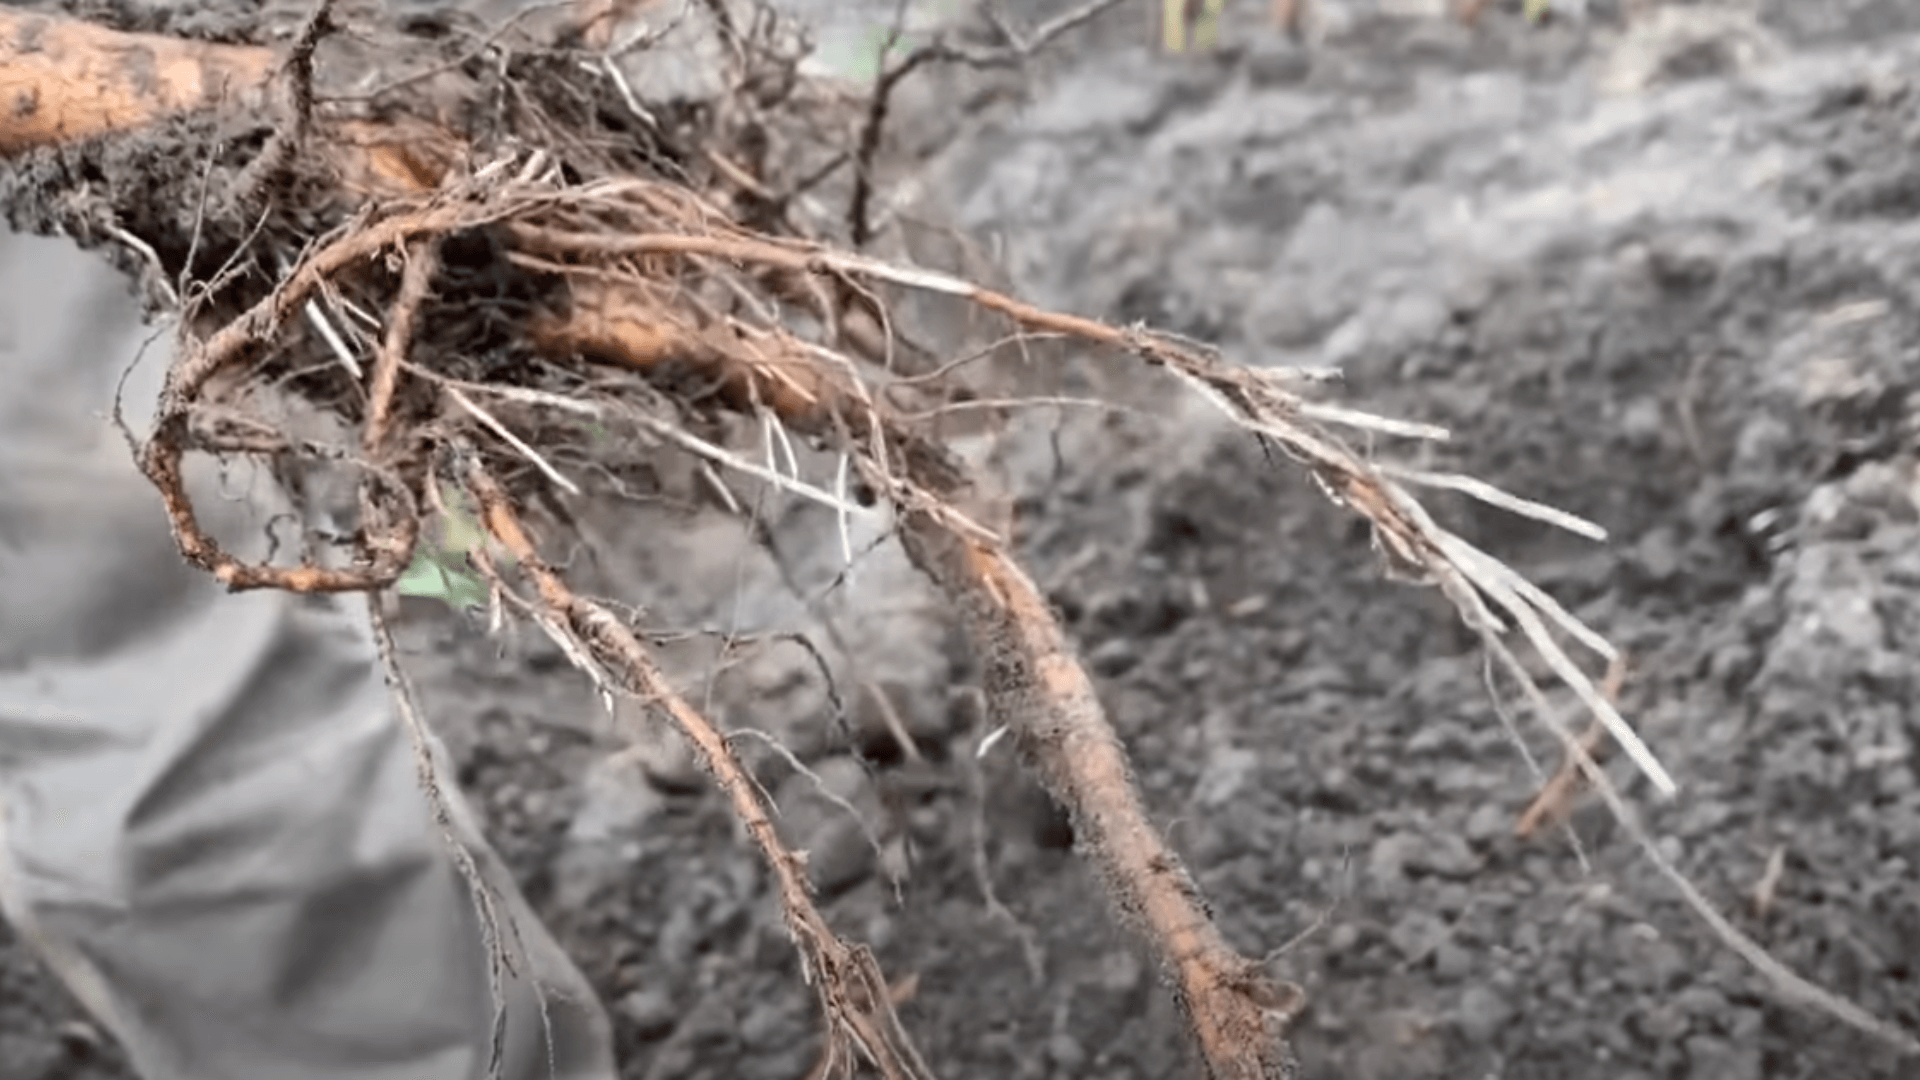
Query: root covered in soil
[{"x": 510, "y": 277}]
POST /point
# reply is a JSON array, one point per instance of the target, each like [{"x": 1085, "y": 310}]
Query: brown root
[
  {"x": 1036, "y": 685},
  {"x": 853, "y": 993},
  {"x": 62, "y": 80}
]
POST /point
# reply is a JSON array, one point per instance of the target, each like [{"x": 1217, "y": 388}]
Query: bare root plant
[{"x": 488, "y": 266}]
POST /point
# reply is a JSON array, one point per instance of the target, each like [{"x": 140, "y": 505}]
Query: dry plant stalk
[{"x": 638, "y": 301}]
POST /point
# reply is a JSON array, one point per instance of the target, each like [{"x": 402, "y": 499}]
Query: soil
[{"x": 1658, "y": 276}]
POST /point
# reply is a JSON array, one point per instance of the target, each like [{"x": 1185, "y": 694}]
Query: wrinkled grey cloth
[{"x": 210, "y": 824}]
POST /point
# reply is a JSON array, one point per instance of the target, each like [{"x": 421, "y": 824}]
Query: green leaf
[
  {"x": 430, "y": 578},
  {"x": 442, "y": 567}
]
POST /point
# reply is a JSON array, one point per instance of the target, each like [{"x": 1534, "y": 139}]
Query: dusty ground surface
[{"x": 1658, "y": 277}]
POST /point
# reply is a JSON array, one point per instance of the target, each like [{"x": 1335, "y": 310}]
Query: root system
[{"x": 510, "y": 276}]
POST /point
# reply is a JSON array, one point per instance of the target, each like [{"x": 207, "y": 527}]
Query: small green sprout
[{"x": 1175, "y": 23}]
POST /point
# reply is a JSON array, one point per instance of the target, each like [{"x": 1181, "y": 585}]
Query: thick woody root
[
  {"x": 1035, "y": 684},
  {"x": 62, "y": 80}
]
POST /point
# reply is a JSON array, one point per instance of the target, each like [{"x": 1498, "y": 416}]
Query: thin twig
[
  {"x": 1554, "y": 803},
  {"x": 825, "y": 792},
  {"x": 486, "y": 43},
  {"x": 507, "y": 436},
  {"x": 720, "y": 456},
  {"x": 157, "y": 270},
  {"x": 485, "y": 901},
  {"x": 341, "y": 352},
  {"x": 942, "y": 49},
  {"x": 1493, "y": 496},
  {"x": 423, "y": 260},
  {"x": 890, "y": 716}
]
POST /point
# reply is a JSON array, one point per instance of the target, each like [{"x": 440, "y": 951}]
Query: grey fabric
[{"x": 210, "y": 825}]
